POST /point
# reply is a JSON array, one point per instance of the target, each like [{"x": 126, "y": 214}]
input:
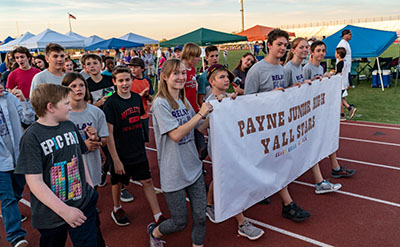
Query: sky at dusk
[{"x": 160, "y": 19}]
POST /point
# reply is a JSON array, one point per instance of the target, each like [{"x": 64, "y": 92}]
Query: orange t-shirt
[{"x": 138, "y": 85}]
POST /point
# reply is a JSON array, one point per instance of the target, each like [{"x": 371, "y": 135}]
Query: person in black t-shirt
[
  {"x": 126, "y": 144},
  {"x": 100, "y": 86}
]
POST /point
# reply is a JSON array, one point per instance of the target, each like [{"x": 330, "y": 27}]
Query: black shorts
[{"x": 140, "y": 171}]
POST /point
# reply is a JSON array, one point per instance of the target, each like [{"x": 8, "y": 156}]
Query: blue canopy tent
[
  {"x": 6, "y": 40},
  {"x": 138, "y": 39},
  {"x": 92, "y": 40},
  {"x": 366, "y": 42},
  {"x": 14, "y": 43},
  {"x": 113, "y": 43},
  {"x": 41, "y": 40}
]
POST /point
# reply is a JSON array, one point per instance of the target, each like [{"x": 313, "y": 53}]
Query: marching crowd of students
[{"x": 96, "y": 121}]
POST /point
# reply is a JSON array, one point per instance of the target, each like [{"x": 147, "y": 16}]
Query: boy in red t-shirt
[
  {"x": 142, "y": 86},
  {"x": 190, "y": 57},
  {"x": 22, "y": 77}
]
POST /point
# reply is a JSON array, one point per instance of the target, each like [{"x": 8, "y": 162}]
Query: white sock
[
  {"x": 157, "y": 216},
  {"x": 116, "y": 208}
]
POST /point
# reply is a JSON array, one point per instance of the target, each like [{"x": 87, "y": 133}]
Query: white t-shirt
[{"x": 347, "y": 59}]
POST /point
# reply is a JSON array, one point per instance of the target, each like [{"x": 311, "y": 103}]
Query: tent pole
[
  {"x": 251, "y": 50},
  {"x": 398, "y": 65},
  {"x": 380, "y": 73}
]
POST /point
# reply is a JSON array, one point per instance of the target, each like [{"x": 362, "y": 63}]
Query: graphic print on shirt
[
  {"x": 66, "y": 181},
  {"x": 192, "y": 83},
  {"x": 134, "y": 121},
  {"x": 65, "y": 178},
  {"x": 183, "y": 116},
  {"x": 278, "y": 80},
  {"x": 300, "y": 78},
  {"x": 3, "y": 124},
  {"x": 81, "y": 128}
]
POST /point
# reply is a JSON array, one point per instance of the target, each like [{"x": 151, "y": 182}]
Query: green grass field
[{"x": 373, "y": 105}]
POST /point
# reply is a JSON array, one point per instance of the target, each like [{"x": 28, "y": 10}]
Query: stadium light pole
[{"x": 242, "y": 12}]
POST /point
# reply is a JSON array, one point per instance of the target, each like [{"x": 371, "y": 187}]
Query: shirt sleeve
[
  {"x": 252, "y": 82},
  {"x": 82, "y": 143},
  {"x": 339, "y": 67},
  {"x": 163, "y": 113},
  {"x": 102, "y": 130},
  {"x": 35, "y": 83},
  {"x": 30, "y": 159},
  {"x": 11, "y": 83},
  {"x": 108, "y": 111}
]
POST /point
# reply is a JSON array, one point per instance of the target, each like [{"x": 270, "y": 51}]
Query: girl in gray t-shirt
[
  {"x": 293, "y": 72},
  {"x": 180, "y": 168}
]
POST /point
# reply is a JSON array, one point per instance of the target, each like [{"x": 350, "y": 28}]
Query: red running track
[{"x": 365, "y": 212}]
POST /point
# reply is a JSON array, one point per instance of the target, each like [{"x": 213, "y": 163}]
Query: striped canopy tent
[{"x": 259, "y": 32}]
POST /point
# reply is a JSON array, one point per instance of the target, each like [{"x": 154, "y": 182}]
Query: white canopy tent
[
  {"x": 16, "y": 42},
  {"x": 49, "y": 36}
]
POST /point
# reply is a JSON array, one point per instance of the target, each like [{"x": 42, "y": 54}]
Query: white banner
[{"x": 262, "y": 142}]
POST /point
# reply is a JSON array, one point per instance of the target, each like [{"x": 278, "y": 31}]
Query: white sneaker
[
  {"x": 249, "y": 231},
  {"x": 326, "y": 187}
]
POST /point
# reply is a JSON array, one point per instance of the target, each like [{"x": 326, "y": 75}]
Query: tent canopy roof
[
  {"x": 6, "y": 40},
  {"x": 12, "y": 44},
  {"x": 113, "y": 43},
  {"x": 202, "y": 37},
  {"x": 92, "y": 40},
  {"x": 75, "y": 35},
  {"x": 138, "y": 39},
  {"x": 259, "y": 32},
  {"x": 365, "y": 42},
  {"x": 49, "y": 36}
]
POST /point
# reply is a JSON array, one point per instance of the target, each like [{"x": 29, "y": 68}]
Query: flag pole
[{"x": 69, "y": 20}]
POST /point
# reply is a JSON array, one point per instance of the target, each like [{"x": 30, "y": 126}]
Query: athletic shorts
[{"x": 137, "y": 172}]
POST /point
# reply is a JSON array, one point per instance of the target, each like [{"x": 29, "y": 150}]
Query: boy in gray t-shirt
[
  {"x": 268, "y": 75},
  {"x": 312, "y": 72}
]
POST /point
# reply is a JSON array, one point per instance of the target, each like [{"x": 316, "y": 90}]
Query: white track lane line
[
  {"x": 267, "y": 226},
  {"x": 369, "y": 141},
  {"x": 370, "y": 126},
  {"x": 25, "y": 202},
  {"x": 291, "y": 234},
  {"x": 342, "y": 192},
  {"x": 354, "y": 195},
  {"x": 369, "y": 163}
]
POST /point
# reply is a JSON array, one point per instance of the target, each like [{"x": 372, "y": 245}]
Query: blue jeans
[{"x": 11, "y": 187}]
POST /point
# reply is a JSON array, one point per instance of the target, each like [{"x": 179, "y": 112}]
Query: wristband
[{"x": 201, "y": 115}]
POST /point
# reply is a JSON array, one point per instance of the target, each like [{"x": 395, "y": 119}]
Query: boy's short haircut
[
  {"x": 108, "y": 58},
  {"x": 315, "y": 44},
  {"x": 120, "y": 69},
  {"x": 72, "y": 76},
  {"x": 22, "y": 50},
  {"x": 137, "y": 62},
  {"x": 53, "y": 47},
  {"x": 94, "y": 57},
  {"x": 210, "y": 48},
  {"x": 275, "y": 34},
  {"x": 47, "y": 93},
  {"x": 190, "y": 50},
  {"x": 341, "y": 52}
]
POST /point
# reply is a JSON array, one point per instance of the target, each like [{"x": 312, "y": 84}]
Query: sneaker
[
  {"x": 326, "y": 186},
  {"x": 23, "y": 218},
  {"x": 103, "y": 180},
  {"x": 266, "y": 201},
  {"x": 352, "y": 112},
  {"x": 154, "y": 242},
  {"x": 120, "y": 218},
  {"x": 20, "y": 242},
  {"x": 249, "y": 231},
  {"x": 210, "y": 213},
  {"x": 343, "y": 172},
  {"x": 342, "y": 119},
  {"x": 126, "y": 196},
  {"x": 294, "y": 212}
]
